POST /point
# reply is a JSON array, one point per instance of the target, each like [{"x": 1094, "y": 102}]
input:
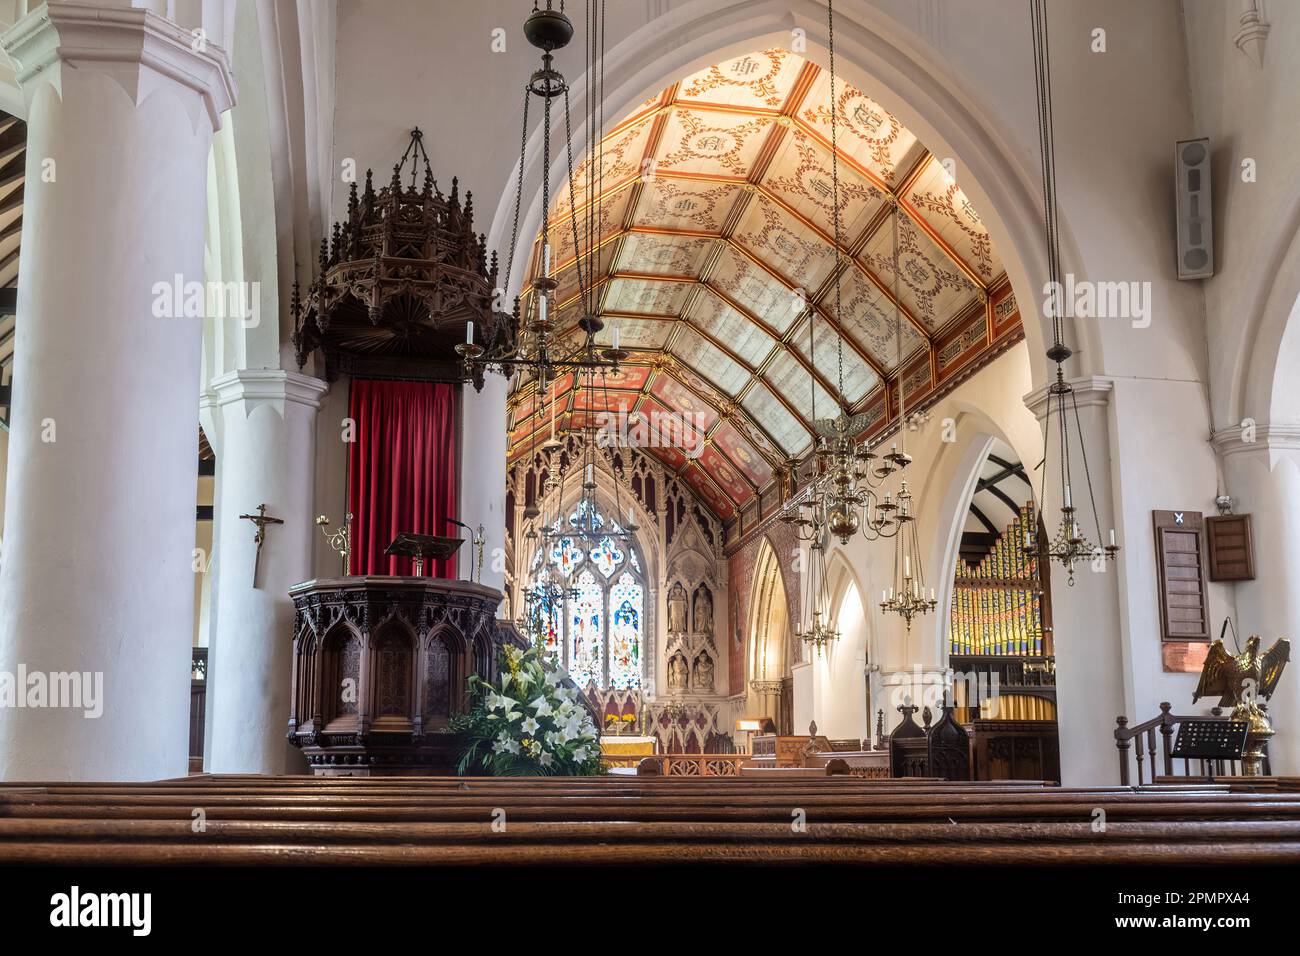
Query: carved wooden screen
[
  {"x": 483, "y": 662},
  {"x": 908, "y": 747},
  {"x": 393, "y": 674},
  {"x": 438, "y": 678},
  {"x": 341, "y": 676},
  {"x": 948, "y": 750}
]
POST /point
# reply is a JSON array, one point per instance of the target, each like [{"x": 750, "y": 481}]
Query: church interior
[{"x": 647, "y": 423}]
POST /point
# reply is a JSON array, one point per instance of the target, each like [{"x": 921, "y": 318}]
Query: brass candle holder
[{"x": 340, "y": 541}]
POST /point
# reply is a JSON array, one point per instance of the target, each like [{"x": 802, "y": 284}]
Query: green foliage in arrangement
[{"x": 527, "y": 723}]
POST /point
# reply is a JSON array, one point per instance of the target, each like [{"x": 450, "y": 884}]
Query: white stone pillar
[
  {"x": 481, "y": 497},
  {"x": 1262, "y": 474},
  {"x": 99, "y": 530},
  {"x": 1091, "y": 686},
  {"x": 268, "y": 429}
]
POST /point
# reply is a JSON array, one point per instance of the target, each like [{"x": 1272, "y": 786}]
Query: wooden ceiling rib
[{"x": 713, "y": 203}]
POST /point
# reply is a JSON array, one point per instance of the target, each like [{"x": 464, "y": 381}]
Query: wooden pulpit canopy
[{"x": 397, "y": 281}]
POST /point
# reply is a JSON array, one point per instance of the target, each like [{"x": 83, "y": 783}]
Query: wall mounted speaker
[{"x": 1195, "y": 217}]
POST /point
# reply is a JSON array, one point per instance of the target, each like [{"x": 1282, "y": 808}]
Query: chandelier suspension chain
[
  {"x": 835, "y": 207},
  {"x": 1047, "y": 157},
  {"x": 1083, "y": 453},
  {"x": 519, "y": 193},
  {"x": 898, "y": 341},
  {"x": 573, "y": 205},
  {"x": 1070, "y": 545}
]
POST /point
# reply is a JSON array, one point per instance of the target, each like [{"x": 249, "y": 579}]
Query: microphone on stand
[{"x": 473, "y": 540}]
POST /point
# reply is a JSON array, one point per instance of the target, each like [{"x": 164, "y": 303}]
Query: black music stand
[
  {"x": 1210, "y": 740},
  {"x": 423, "y": 547}
]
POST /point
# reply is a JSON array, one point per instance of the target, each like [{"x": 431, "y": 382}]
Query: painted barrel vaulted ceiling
[{"x": 715, "y": 250}]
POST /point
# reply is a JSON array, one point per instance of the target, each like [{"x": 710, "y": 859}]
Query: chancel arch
[
  {"x": 770, "y": 629},
  {"x": 845, "y": 707}
]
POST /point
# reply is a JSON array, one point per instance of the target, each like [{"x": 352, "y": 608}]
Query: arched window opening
[{"x": 597, "y": 631}]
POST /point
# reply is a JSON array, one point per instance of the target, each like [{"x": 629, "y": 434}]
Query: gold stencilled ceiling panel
[
  {"x": 868, "y": 317},
  {"x": 939, "y": 201},
  {"x": 868, "y": 134},
  {"x": 788, "y": 246},
  {"x": 731, "y": 327},
  {"x": 686, "y": 205},
  {"x": 754, "y": 290},
  {"x": 800, "y": 176},
  {"x": 715, "y": 225},
  {"x": 709, "y": 362},
  {"x": 648, "y": 253},
  {"x": 755, "y": 81},
  {"x": 859, "y": 377},
  {"x": 930, "y": 286},
  {"x": 786, "y": 430}
]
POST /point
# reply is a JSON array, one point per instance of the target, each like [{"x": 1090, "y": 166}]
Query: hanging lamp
[
  {"x": 526, "y": 342},
  {"x": 1071, "y": 545}
]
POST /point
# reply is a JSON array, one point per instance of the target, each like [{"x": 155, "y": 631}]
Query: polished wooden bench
[{"x": 631, "y": 820}]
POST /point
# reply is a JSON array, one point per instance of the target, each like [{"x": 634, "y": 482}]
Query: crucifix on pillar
[{"x": 261, "y": 520}]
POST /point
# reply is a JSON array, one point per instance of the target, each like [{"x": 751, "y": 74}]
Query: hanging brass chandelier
[
  {"x": 527, "y": 341},
  {"x": 841, "y": 498},
  {"x": 1071, "y": 545},
  {"x": 906, "y": 597},
  {"x": 842, "y": 494}
]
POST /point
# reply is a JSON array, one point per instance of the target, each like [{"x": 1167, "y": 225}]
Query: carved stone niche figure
[
  {"x": 677, "y": 672},
  {"x": 702, "y": 678},
  {"x": 703, "y": 610},
  {"x": 677, "y": 609}
]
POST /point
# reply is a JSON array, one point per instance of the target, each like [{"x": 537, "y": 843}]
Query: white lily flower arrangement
[{"x": 527, "y": 723}]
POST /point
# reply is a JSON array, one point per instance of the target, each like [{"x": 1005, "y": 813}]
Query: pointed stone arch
[{"x": 769, "y": 631}]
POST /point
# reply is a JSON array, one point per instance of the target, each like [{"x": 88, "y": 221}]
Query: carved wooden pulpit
[{"x": 380, "y": 666}]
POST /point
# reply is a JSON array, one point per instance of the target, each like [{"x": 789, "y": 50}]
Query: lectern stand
[{"x": 423, "y": 547}]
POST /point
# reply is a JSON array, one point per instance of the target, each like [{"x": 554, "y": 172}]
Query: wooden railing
[
  {"x": 683, "y": 765},
  {"x": 1165, "y": 727}
]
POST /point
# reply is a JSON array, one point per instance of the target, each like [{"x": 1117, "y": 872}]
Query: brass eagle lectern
[{"x": 1242, "y": 681}]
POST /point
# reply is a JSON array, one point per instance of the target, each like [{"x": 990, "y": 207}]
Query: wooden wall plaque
[
  {"x": 1231, "y": 550},
  {"x": 1180, "y": 550}
]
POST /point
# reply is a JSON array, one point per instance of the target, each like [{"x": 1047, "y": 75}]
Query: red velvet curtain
[{"x": 401, "y": 471}]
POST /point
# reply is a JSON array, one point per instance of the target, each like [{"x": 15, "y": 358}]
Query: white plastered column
[
  {"x": 481, "y": 499},
  {"x": 97, "y": 576},
  {"x": 1091, "y": 685},
  {"x": 1263, "y": 476},
  {"x": 267, "y": 457}
]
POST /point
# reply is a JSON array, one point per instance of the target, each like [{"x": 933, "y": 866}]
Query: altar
[
  {"x": 380, "y": 666},
  {"x": 626, "y": 750}
]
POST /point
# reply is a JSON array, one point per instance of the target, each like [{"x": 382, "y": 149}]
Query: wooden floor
[{"x": 241, "y": 820}]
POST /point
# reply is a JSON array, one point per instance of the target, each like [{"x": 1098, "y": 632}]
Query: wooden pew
[{"x": 632, "y": 820}]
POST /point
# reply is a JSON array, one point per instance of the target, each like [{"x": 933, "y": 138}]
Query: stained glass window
[
  {"x": 586, "y": 519},
  {"x": 606, "y": 556},
  {"x": 585, "y": 632},
  {"x": 566, "y": 555},
  {"x": 596, "y": 630},
  {"x": 625, "y": 632}
]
